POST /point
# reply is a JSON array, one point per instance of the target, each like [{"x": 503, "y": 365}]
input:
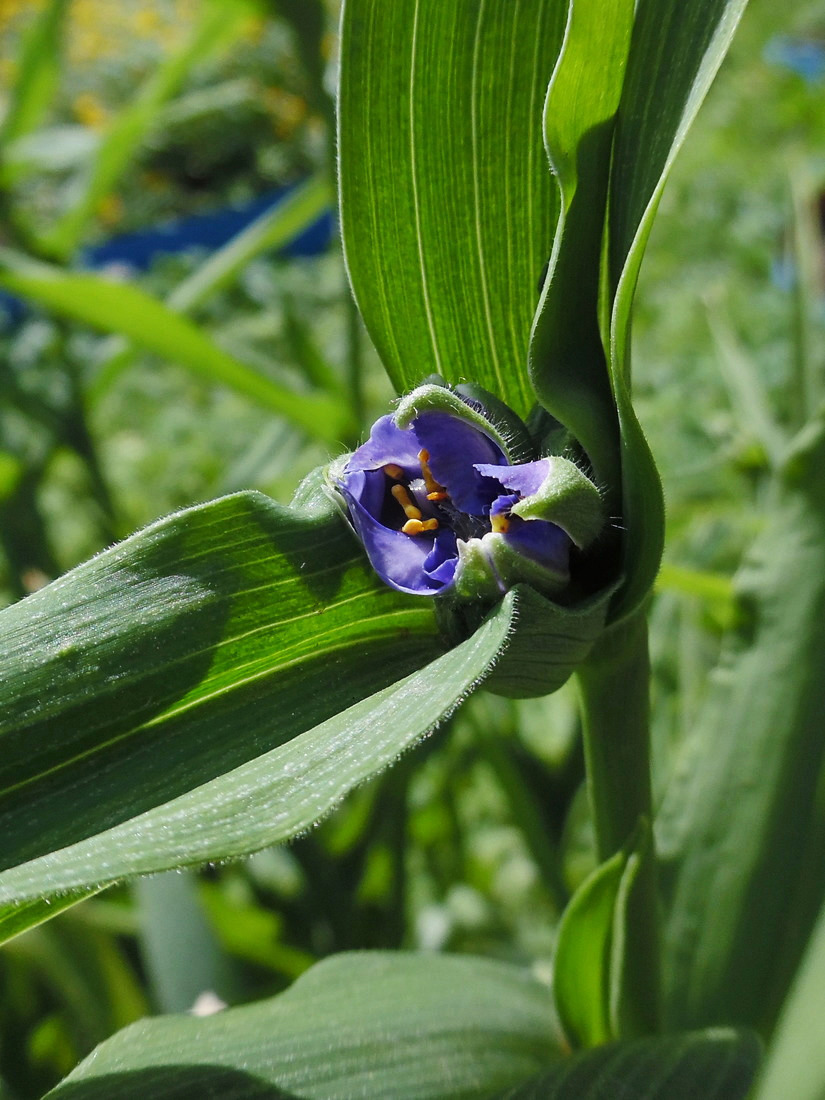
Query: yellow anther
[
  {"x": 417, "y": 527},
  {"x": 403, "y": 497},
  {"x": 434, "y": 490},
  {"x": 393, "y": 471},
  {"x": 500, "y": 524},
  {"x": 413, "y": 527}
]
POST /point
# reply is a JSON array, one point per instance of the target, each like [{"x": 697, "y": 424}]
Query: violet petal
[
  {"x": 455, "y": 448},
  {"x": 402, "y": 561},
  {"x": 387, "y": 443},
  {"x": 524, "y": 479}
]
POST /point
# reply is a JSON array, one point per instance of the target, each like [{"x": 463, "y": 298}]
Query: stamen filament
[
  {"x": 434, "y": 490},
  {"x": 403, "y": 497}
]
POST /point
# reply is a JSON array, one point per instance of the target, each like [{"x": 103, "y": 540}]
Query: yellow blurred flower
[{"x": 90, "y": 111}]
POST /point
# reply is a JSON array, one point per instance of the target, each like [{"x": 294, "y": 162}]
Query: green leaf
[
  {"x": 567, "y": 359},
  {"x": 568, "y": 364},
  {"x": 795, "y": 1064},
  {"x": 581, "y": 977},
  {"x": 547, "y": 644},
  {"x": 675, "y": 53},
  {"x": 676, "y": 50},
  {"x": 594, "y": 975},
  {"x": 743, "y": 866},
  {"x": 125, "y": 309},
  {"x": 20, "y": 917},
  {"x": 447, "y": 208},
  {"x": 246, "y": 630},
  {"x": 180, "y": 952},
  {"x": 39, "y": 69},
  {"x": 182, "y": 653},
  {"x": 362, "y": 1024},
  {"x": 218, "y": 23},
  {"x": 750, "y": 401},
  {"x": 709, "y": 1065}
]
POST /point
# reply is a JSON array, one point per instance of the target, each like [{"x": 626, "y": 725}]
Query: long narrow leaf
[
  {"x": 219, "y": 21},
  {"x": 125, "y": 309},
  {"x": 273, "y": 229},
  {"x": 676, "y": 50},
  {"x": 39, "y": 69},
  {"x": 200, "y": 636},
  {"x": 447, "y": 207},
  {"x": 238, "y": 615},
  {"x": 567, "y": 359},
  {"x": 743, "y": 869}
]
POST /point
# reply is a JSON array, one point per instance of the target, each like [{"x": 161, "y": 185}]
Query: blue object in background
[
  {"x": 803, "y": 56},
  {"x": 208, "y": 231}
]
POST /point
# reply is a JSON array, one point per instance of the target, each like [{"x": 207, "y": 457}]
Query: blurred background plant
[{"x": 176, "y": 325}]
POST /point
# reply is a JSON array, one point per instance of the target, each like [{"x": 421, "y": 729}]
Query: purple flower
[{"x": 439, "y": 507}]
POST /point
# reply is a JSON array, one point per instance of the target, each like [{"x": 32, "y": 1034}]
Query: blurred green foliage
[{"x": 455, "y": 846}]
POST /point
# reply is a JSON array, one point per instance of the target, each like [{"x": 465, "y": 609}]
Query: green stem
[{"x": 615, "y": 694}]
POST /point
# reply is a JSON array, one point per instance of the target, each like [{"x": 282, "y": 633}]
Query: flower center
[
  {"x": 406, "y": 495},
  {"x": 420, "y": 497}
]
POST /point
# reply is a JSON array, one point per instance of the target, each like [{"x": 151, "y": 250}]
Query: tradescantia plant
[{"x": 220, "y": 680}]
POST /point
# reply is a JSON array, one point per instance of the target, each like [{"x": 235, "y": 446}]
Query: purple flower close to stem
[{"x": 433, "y": 503}]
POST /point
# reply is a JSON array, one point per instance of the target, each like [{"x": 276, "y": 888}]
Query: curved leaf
[
  {"x": 568, "y": 366},
  {"x": 447, "y": 208},
  {"x": 581, "y": 978},
  {"x": 676, "y": 50},
  {"x": 172, "y": 783},
  {"x": 711, "y": 1065},
  {"x": 185, "y": 651},
  {"x": 365, "y": 1024}
]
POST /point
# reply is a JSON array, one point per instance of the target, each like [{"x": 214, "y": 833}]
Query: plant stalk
[{"x": 615, "y": 693}]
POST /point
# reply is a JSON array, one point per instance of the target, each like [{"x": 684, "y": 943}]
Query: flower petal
[
  {"x": 543, "y": 542},
  {"x": 456, "y": 449},
  {"x": 524, "y": 479},
  {"x": 387, "y": 443},
  {"x": 417, "y": 565}
]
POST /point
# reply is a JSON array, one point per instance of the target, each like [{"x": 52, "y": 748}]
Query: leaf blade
[
  {"x": 444, "y": 262},
  {"x": 409, "y": 1026}
]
